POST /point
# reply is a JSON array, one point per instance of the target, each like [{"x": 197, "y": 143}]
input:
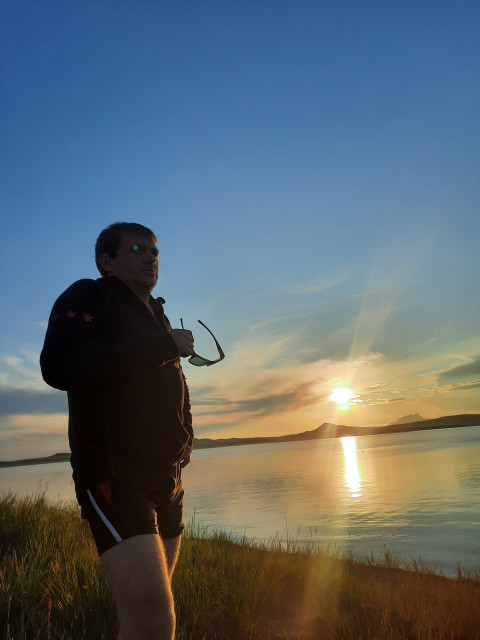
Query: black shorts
[{"x": 134, "y": 505}]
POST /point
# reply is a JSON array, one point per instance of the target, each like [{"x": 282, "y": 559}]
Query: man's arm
[
  {"x": 187, "y": 423},
  {"x": 76, "y": 351}
]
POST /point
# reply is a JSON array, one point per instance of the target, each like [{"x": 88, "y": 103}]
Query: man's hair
[{"x": 110, "y": 239}]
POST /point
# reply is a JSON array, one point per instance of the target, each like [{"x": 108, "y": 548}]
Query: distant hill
[
  {"x": 326, "y": 430},
  {"x": 57, "y": 457},
  {"x": 329, "y": 430}
]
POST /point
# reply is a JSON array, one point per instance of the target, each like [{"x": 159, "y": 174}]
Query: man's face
[{"x": 136, "y": 263}]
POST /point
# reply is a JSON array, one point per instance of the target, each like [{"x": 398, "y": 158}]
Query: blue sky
[{"x": 310, "y": 170}]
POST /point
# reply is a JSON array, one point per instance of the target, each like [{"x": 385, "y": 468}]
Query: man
[{"x": 111, "y": 347}]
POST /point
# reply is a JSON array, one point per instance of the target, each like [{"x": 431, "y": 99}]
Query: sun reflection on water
[{"x": 353, "y": 479}]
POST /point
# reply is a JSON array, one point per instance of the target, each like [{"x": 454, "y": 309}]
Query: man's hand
[
  {"x": 183, "y": 338},
  {"x": 187, "y": 454}
]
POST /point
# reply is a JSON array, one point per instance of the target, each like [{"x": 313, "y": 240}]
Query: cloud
[
  {"x": 323, "y": 282},
  {"x": 278, "y": 402},
  {"x": 257, "y": 404},
  {"x": 23, "y": 401},
  {"x": 21, "y": 371},
  {"x": 469, "y": 372},
  {"x": 28, "y": 436},
  {"x": 54, "y": 423},
  {"x": 22, "y": 389},
  {"x": 467, "y": 386}
]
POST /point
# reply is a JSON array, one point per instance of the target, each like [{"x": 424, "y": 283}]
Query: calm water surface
[{"x": 414, "y": 494}]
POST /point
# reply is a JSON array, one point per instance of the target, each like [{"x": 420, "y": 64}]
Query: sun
[{"x": 343, "y": 397}]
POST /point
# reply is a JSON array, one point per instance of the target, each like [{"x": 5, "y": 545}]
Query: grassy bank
[{"x": 51, "y": 588}]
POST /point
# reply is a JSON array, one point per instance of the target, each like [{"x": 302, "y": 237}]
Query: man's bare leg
[{"x": 139, "y": 577}]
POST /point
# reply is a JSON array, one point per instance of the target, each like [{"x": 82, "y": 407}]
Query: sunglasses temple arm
[{"x": 220, "y": 351}]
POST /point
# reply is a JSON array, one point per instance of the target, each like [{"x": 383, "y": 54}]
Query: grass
[{"x": 52, "y": 588}]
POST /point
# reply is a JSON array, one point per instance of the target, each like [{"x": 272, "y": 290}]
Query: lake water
[{"x": 415, "y": 494}]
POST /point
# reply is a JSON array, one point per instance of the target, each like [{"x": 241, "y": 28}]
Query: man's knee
[
  {"x": 151, "y": 612},
  {"x": 158, "y": 625}
]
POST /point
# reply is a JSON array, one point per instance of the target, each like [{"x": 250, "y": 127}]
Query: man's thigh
[{"x": 138, "y": 575}]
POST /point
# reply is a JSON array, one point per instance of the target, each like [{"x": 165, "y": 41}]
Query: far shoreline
[{"x": 326, "y": 430}]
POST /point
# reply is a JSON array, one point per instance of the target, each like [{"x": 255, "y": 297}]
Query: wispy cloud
[
  {"x": 468, "y": 372},
  {"x": 467, "y": 386},
  {"x": 26, "y": 436},
  {"x": 22, "y": 389},
  {"x": 21, "y": 371},
  {"x": 23, "y": 401},
  {"x": 322, "y": 282},
  {"x": 299, "y": 397}
]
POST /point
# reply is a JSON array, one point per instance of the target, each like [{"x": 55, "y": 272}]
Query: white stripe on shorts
[{"x": 103, "y": 517}]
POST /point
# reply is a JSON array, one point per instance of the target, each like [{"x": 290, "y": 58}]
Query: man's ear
[{"x": 105, "y": 262}]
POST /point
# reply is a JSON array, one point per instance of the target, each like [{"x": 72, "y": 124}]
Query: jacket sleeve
[
  {"x": 77, "y": 352},
  {"x": 187, "y": 413}
]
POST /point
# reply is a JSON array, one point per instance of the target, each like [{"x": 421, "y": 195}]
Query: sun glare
[{"x": 343, "y": 397}]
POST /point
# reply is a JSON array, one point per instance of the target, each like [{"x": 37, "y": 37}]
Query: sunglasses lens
[{"x": 197, "y": 361}]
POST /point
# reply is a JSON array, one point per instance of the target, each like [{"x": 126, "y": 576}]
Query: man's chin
[
  {"x": 147, "y": 281},
  {"x": 151, "y": 281}
]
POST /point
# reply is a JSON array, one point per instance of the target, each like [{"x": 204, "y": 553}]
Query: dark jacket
[{"x": 129, "y": 408}]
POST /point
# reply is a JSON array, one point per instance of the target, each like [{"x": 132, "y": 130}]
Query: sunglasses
[{"x": 200, "y": 361}]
